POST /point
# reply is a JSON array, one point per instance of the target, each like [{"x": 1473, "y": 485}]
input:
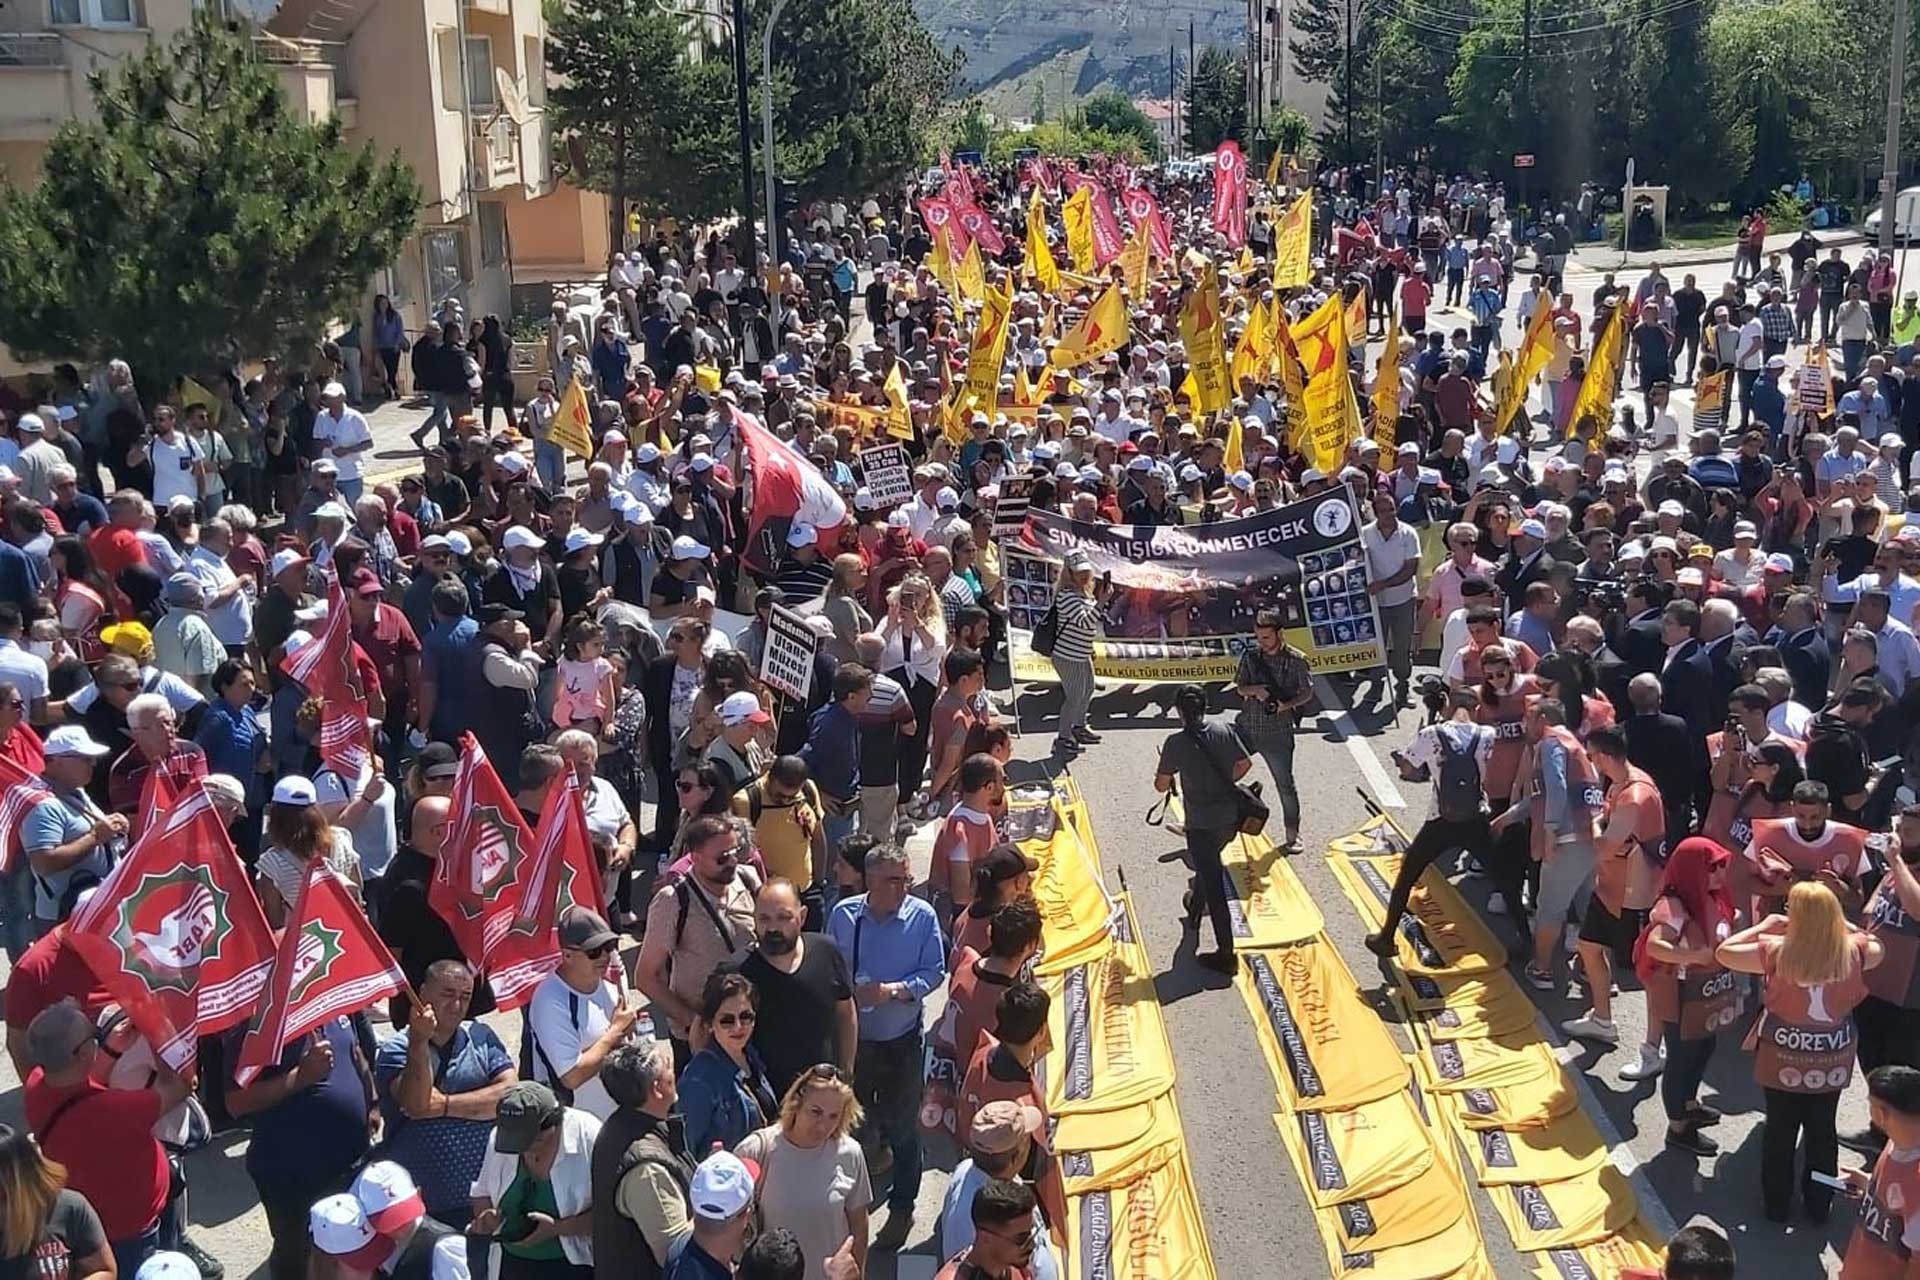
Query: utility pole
[
  {"x": 1193, "y": 71},
  {"x": 1890, "y": 150},
  {"x": 1348, "y": 112},
  {"x": 749, "y": 254},
  {"x": 1526, "y": 96},
  {"x": 1379, "y": 122},
  {"x": 1173, "y": 104}
]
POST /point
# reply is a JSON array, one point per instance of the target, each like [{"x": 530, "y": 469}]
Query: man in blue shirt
[
  {"x": 892, "y": 942},
  {"x": 446, "y": 663},
  {"x": 832, "y": 751}
]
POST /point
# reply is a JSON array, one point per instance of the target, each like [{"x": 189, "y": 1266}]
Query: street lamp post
[
  {"x": 766, "y": 146},
  {"x": 748, "y": 253}
]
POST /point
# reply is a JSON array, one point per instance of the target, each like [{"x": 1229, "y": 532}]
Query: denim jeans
[
  {"x": 16, "y": 909},
  {"x": 550, "y": 463},
  {"x": 437, "y": 418},
  {"x": 1686, "y": 1067},
  {"x": 887, "y": 1080},
  {"x": 352, "y": 489},
  {"x": 1277, "y": 751}
]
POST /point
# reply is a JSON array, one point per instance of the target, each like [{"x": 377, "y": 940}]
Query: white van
[{"x": 1906, "y": 218}]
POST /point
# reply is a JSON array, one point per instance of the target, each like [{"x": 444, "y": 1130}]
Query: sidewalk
[{"x": 1601, "y": 256}]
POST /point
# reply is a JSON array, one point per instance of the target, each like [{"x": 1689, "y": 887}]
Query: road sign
[{"x": 1523, "y": 160}]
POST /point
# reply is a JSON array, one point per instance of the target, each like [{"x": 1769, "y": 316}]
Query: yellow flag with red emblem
[
  {"x": 1040, "y": 265},
  {"x": 1201, "y": 331},
  {"x": 572, "y": 427},
  {"x": 1103, "y": 329}
]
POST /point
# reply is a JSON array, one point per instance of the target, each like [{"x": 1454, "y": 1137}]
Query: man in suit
[
  {"x": 1527, "y": 562},
  {"x": 1804, "y": 651},
  {"x": 1724, "y": 639},
  {"x": 1641, "y": 645},
  {"x": 1686, "y": 676},
  {"x": 1659, "y": 744},
  {"x": 1610, "y": 672}
]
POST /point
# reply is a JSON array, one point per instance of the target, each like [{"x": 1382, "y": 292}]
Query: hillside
[{"x": 1013, "y": 45}]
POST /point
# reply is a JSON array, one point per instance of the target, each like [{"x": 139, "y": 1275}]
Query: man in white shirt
[
  {"x": 229, "y": 602},
  {"x": 177, "y": 461},
  {"x": 26, "y": 672},
  {"x": 577, "y": 1015},
  {"x": 1393, "y": 556},
  {"x": 342, "y": 434}
]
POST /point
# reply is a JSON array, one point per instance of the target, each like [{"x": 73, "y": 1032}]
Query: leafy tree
[
  {"x": 1290, "y": 128},
  {"x": 973, "y": 131},
  {"x": 1216, "y": 106},
  {"x": 196, "y": 223},
  {"x": 1111, "y": 111},
  {"x": 1319, "y": 49},
  {"x": 1040, "y": 101},
  {"x": 1064, "y": 138}
]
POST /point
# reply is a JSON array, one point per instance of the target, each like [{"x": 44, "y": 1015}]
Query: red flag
[
  {"x": 979, "y": 225},
  {"x": 938, "y": 215},
  {"x": 1141, "y": 206},
  {"x": 787, "y": 490},
  {"x": 1107, "y": 240},
  {"x": 1230, "y": 193},
  {"x": 325, "y": 667},
  {"x": 476, "y": 883},
  {"x": 157, "y": 795},
  {"x": 562, "y": 871},
  {"x": 330, "y": 962},
  {"x": 959, "y": 188},
  {"x": 20, "y": 791},
  {"x": 175, "y": 932}
]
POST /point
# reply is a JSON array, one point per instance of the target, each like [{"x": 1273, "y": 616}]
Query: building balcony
[
  {"x": 496, "y": 154},
  {"x": 314, "y": 74},
  {"x": 36, "y": 86}
]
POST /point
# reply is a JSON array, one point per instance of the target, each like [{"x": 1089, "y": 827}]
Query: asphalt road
[{"x": 1256, "y": 1214}]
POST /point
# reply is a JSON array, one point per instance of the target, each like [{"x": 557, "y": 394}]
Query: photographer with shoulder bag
[
  {"x": 1208, "y": 760},
  {"x": 1277, "y": 685}
]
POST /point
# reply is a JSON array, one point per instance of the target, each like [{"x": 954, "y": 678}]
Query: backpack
[
  {"x": 1456, "y": 784},
  {"x": 1046, "y": 632}
]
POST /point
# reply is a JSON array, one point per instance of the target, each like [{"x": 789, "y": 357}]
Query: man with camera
[{"x": 1276, "y": 685}]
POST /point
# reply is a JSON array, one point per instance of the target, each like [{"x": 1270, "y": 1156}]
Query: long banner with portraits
[{"x": 1177, "y": 603}]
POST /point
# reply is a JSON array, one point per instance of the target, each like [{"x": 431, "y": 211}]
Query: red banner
[
  {"x": 20, "y": 791},
  {"x": 938, "y": 215},
  {"x": 1141, "y": 206},
  {"x": 175, "y": 932},
  {"x": 562, "y": 871},
  {"x": 1230, "y": 193},
  {"x": 325, "y": 667},
  {"x": 330, "y": 963},
  {"x": 476, "y": 883},
  {"x": 979, "y": 225},
  {"x": 1107, "y": 238}
]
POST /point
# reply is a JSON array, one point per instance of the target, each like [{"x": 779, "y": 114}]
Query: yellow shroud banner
[
  {"x": 1496, "y": 1007},
  {"x": 1632, "y": 1246},
  {"x": 1449, "y": 1066},
  {"x": 1111, "y": 1130},
  {"x": 1554, "y": 1215},
  {"x": 1267, "y": 903},
  {"x": 1417, "y": 1210},
  {"x": 1147, "y": 1229},
  {"x": 1110, "y": 1048},
  {"x": 1326, "y": 1048},
  {"x": 1361, "y": 1152},
  {"x": 1562, "y": 1148},
  {"x": 1453, "y": 1254},
  {"x": 1440, "y": 932},
  {"x": 1075, "y": 911},
  {"x": 1541, "y": 1100},
  {"x": 1103, "y": 1170}
]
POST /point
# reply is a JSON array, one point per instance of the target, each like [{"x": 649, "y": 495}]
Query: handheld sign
[
  {"x": 889, "y": 473},
  {"x": 1010, "y": 508},
  {"x": 786, "y": 665}
]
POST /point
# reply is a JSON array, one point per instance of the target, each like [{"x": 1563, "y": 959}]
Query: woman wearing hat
[
  {"x": 298, "y": 833},
  {"x": 1078, "y": 611}
]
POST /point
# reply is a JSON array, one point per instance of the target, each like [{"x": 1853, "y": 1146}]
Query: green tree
[
  {"x": 1319, "y": 50},
  {"x": 973, "y": 131},
  {"x": 1040, "y": 101},
  {"x": 1111, "y": 111},
  {"x": 196, "y": 223},
  {"x": 1216, "y": 106}
]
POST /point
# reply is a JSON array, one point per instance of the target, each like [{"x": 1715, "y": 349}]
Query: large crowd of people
[{"x": 1673, "y": 704}]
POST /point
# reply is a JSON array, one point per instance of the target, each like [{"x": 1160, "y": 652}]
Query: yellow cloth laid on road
[
  {"x": 1440, "y": 932},
  {"x": 1425, "y": 992},
  {"x": 1449, "y": 1066},
  {"x": 1497, "y": 1008},
  {"x": 1565, "y": 1147},
  {"x": 1633, "y": 1246},
  {"x": 1519, "y": 1106},
  {"x": 1147, "y": 1123},
  {"x": 1413, "y": 1211},
  {"x": 1375, "y": 835},
  {"x": 1089, "y": 1171},
  {"x": 1454, "y": 1254},
  {"x": 1325, "y": 1046},
  {"x": 1110, "y": 1047},
  {"x": 1361, "y": 1152},
  {"x": 1572, "y": 1211},
  {"x": 1266, "y": 902},
  {"x": 1147, "y": 1229},
  {"x": 1075, "y": 911}
]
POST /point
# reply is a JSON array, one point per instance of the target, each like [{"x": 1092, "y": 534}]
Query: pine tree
[
  {"x": 1216, "y": 106},
  {"x": 196, "y": 223},
  {"x": 1319, "y": 49}
]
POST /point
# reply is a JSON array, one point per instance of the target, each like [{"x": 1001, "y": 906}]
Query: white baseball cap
[
  {"x": 72, "y": 740},
  {"x": 898, "y": 519},
  {"x": 339, "y": 1228},
  {"x": 648, "y": 452},
  {"x": 167, "y": 1265},
  {"x": 802, "y": 535},
  {"x": 581, "y": 539},
  {"x": 1671, "y": 508},
  {"x": 1533, "y": 529},
  {"x": 722, "y": 1187},
  {"x": 685, "y": 548},
  {"x": 389, "y": 1197},
  {"x": 295, "y": 790},
  {"x": 1778, "y": 562},
  {"x": 701, "y": 462},
  {"x": 519, "y": 536},
  {"x": 743, "y": 708},
  {"x": 333, "y": 390},
  {"x": 511, "y": 463},
  {"x": 462, "y": 545},
  {"x": 284, "y": 560}
]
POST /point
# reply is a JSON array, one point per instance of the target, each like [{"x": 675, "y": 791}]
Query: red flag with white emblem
[
  {"x": 476, "y": 882},
  {"x": 1142, "y": 207},
  {"x": 175, "y": 932},
  {"x": 786, "y": 490},
  {"x": 979, "y": 226},
  {"x": 1230, "y": 193},
  {"x": 562, "y": 874},
  {"x": 325, "y": 667},
  {"x": 330, "y": 963}
]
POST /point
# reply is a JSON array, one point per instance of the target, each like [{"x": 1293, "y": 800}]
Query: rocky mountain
[{"x": 1074, "y": 47}]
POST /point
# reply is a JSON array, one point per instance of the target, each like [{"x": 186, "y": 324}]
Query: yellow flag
[
  {"x": 1135, "y": 258},
  {"x": 899, "y": 415},
  {"x": 1594, "y": 404},
  {"x": 940, "y": 262},
  {"x": 953, "y": 414},
  {"x": 1234, "y": 456},
  {"x": 1535, "y": 350},
  {"x": 1077, "y": 213},
  {"x": 1386, "y": 386},
  {"x": 1254, "y": 351},
  {"x": 1102, "y": 329},
  {"x": 1293, "y": 245},
  {"x": 1201, "y": 331},
  {"x": 970, "y": 275},
  {"x": 1330, "y": 418},
  {"x": 572, "y": 427},
  {"x": 989, "y": 347},
  {"x": 1243, "y": 265},
  {"x": 192, "y": 393},
  {"x": 1710, "y": 396},
  {"x": 1273, "y": 168},
  {"x": 1024, "y": 390},
  {"x": 1040, "y": 264}
]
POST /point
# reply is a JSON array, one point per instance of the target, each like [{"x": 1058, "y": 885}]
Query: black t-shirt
[
  {"x": 71, "y": 1232},
  {"x": 797, "y": 1027},
  {"x": 1205, "y": 771}
]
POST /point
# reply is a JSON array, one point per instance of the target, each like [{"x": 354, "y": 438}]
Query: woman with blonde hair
[
  {"x": 813, "y": 1174},
  {"x": 842, "y": 605},
  {"x": 297, "y": 833},
  {"x": 1812, "y": 963},
  {"x": 913, "y": 649},
  {"x": 46, "y": 1230}
]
